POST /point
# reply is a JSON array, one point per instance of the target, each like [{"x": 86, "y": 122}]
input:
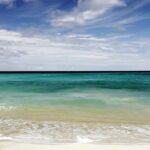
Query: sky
[{"x": 74, "y": 35}]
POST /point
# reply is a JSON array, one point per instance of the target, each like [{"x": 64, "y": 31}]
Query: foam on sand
[{"x": 49, "y": 132}]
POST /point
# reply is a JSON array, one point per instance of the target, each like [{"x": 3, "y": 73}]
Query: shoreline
[
  {"x": 63, "y": 132},
  {"x": 4, "y": 145}
]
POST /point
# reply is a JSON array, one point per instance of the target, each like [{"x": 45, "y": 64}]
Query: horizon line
[{"x": 93, "y": 71}]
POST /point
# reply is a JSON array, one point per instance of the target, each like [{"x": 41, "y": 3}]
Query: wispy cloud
[
  {"x": 86, "y": 14},
  {"x": 131, "y": 14},
  {"x": 86, "y": 10},
  {"x": 96, "y": 14},
  {"x": 11, "y": 2},
  {"x": 7, "y": 2}
]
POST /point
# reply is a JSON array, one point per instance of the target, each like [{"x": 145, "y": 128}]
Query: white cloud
[
  {"x": 86, "y": 10},
  {"x": 11, "y": 2},
  {"x": 90, "y": 14},
  {"x": 121, "y": 19},
  {"x": 97, "y": 13},
  {"x": 7, "y": 2},
  {"x": 72, "y": 52}
]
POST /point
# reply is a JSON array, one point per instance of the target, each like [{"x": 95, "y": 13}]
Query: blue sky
[{"x": 74, "y": 35}]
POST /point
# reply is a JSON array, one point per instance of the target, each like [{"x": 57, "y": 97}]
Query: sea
[{"x": 55, "y": 108}]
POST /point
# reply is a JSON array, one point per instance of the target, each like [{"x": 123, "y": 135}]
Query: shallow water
[{"x": 97, "y": 107}]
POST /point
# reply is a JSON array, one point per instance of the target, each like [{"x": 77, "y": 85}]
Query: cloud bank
[{"x": 72, "y": 52}]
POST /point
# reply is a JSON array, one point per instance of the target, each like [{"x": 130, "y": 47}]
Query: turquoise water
[{"x": 87, "y": 102}]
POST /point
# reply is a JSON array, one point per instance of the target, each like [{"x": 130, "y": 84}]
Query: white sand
[{"x": 23, "y": 146}]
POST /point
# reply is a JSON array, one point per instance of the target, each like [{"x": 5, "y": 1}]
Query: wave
[{"x": 72, "y": 132}]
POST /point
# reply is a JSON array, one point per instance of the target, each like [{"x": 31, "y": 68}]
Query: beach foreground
[{"x": 23, "y": 146}]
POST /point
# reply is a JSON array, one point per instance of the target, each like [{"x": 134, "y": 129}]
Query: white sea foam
[
  {"x": 5, "y": 107},
  {"x": 66, "y": 132},
  {"x": 83, "y": 140},
  {"x": 3, "y": 138}
]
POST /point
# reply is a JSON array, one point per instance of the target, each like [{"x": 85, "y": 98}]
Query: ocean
[{"x": 75, "y": 107}]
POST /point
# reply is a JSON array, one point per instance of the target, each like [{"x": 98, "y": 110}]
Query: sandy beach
[{"x": 24, "y": 146}]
